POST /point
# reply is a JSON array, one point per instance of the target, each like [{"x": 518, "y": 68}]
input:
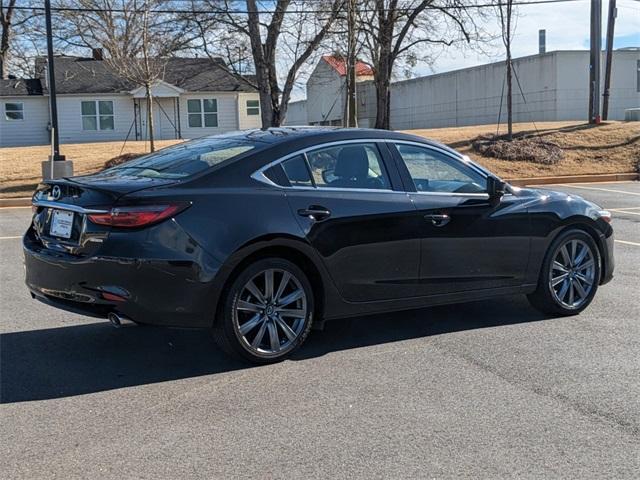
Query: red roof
[{"x": 340, "y": 66}]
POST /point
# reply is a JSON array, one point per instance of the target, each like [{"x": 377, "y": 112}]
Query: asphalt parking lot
[{"x": 488, "y": 389}]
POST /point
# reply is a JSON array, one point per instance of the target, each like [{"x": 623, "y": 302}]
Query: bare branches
[{"x": 14, "y": 37}]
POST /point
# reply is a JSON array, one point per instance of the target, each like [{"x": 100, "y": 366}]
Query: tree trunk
[
  {"x": 4, "y": 73},
  {"x": 266, "y": 102},
  {"x": 509, "y": 74},
  {"x": 147, "y": 91},
  {"x": 509, "y": 100},
  {"x": 382, "y": 76},
  {"x": 6, "y": 38},
  {"x": 382, "y": 80}
]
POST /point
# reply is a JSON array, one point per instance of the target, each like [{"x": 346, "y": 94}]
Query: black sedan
[{"x": 262, "y": 235}]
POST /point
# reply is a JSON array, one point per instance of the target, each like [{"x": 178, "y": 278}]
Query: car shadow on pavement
[{"x": 88, "y": 358}]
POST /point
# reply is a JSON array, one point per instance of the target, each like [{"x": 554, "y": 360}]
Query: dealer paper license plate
[{"x": 61, "y": 224}]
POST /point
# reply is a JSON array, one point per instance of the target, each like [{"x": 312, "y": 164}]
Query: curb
[
  {"x": 516, "y": 182},
  {"x": 15, "y": 202},
  {"x": 601, "y": 177}
]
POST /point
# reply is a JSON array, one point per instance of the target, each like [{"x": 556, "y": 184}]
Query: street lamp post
[{"x": 56, "y": 166}]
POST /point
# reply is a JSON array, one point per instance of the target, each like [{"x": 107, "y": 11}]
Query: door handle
[
  {"x": 316, "y": 213},
  {"x": 438, "y": 220}
]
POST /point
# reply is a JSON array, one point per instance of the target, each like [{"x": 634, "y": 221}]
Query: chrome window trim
[
  {"x": 259, "y": 175},
  {"x": 66, "y": 206}
]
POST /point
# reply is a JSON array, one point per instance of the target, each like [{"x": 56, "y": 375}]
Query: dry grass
[
  {"x": 20, "y": 166},
  {"x": 613, "y": 147}
]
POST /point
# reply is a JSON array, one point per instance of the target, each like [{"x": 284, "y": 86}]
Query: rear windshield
[{"x": 183, "y": 160}]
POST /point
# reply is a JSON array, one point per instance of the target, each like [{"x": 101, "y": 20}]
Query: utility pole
[
  {"x": 611, "y": 23},
  {"x": 594, "y": 65},
  {"x": 56, "y": 166},
  {"x": 350, "y": 114}
]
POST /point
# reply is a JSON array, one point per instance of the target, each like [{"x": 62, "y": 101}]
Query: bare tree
[
  {"x": 115, "y": 24},
  {"x": 395, "y": 32},
  {"x": 507, "y": 28},
  {"x": 15, "y": 30},
  {"x": 284, "y": 36},
  {"x": 143, "y": 69}
]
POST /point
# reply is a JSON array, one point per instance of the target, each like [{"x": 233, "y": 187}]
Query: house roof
[
  {"x": 339, "y": 64},
  {"x": 20, "y": 87},
  {"x": 80, "y": 75},
  {"x": 77, "y": 75}
]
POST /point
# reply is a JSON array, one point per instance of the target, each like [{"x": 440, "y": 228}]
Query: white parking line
[
  {"x": 628, "y": 213},
  {"x": 628, "y": 243},
  {"x": 600, "y": 189},
  {"x": 11, "y": 238},
  {"x": 623, "y": 208}
]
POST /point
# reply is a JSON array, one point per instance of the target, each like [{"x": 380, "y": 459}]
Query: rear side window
[
  {"x": 185, "y": 159},
  {"x": 348, "y": 166},
  {"x": 297, "y": 172}
]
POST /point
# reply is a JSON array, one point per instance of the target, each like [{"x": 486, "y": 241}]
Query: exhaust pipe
[{"x": 118, "y": 320}]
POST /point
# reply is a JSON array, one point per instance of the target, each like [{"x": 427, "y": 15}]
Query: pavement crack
[{"x": 603, "y": 417}]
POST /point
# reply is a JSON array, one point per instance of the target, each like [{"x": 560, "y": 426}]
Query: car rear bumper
[{"x": 168, "y": 292}]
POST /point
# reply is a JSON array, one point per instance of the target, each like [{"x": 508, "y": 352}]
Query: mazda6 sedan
[{"x": 262, "y": 235}]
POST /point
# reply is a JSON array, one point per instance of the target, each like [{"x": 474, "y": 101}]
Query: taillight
[{"x": 136, "y": 216}]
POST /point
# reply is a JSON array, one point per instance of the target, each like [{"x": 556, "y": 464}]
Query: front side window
[
  {"x": 203, "y": 112},
  {"x": 432, "y": 171},
  {"x": 97, "y": 115},
  {"x": 14, "y": 111},
  {"x": 253, "y": 107},
  {"x": 348, "y": 166}
]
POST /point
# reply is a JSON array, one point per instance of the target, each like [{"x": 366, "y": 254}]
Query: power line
[{"x": 289, "y": 12}]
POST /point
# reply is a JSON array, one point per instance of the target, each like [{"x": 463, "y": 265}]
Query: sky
[{"x": 567, "y": 26}]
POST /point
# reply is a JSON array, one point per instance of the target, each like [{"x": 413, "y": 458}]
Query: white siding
[
  {"x": 70, "y": 119},
  {"x": 227, "y": 114},
  {"x": 325, "y": 95},
  {"x": 165, "y": 119},
  {"x": 30, "y": 131},
  {"x": 247, "y": 121},
  {"x": 297, "y": 114}
]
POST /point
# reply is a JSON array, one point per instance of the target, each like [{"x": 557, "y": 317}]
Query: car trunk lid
[{"x": 61, "y": 208}]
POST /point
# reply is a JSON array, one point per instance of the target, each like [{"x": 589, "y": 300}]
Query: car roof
[{"x": 322, "y": 134}]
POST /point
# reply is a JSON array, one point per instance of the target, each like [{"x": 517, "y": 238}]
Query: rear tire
[
  {"x": 267, "y": 312},
  {"x": 569, "y": 275}
]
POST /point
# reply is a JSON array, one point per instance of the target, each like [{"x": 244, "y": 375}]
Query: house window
[
  {"x": 14, "y": 111},
  {"x": 97, "y": 115},
  {"x": 203, "y": 112},
  {"x": 253, "y": 107}
]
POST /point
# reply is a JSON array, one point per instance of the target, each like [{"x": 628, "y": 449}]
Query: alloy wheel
[
  {"x": 270, "y": 313},
  {"x": 572, "y": 273}
]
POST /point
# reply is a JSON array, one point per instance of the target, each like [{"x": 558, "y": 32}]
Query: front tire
[
  {"x": 267, "y": 312},
  {"x": 569, "y": 276}
]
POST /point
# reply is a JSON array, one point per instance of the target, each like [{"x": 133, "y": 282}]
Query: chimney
[
  {"x": 96, "y": 54},
  {"x": 542, "y": 41}
]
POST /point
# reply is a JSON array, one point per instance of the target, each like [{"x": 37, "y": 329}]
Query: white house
[
  {"x": 326, "y": 93},
  {"x": 196, "y": 97},
  {"x": 554, "y": 87}
]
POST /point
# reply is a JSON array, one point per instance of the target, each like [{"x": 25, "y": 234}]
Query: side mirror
[{"x": 495, "y": 188}]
